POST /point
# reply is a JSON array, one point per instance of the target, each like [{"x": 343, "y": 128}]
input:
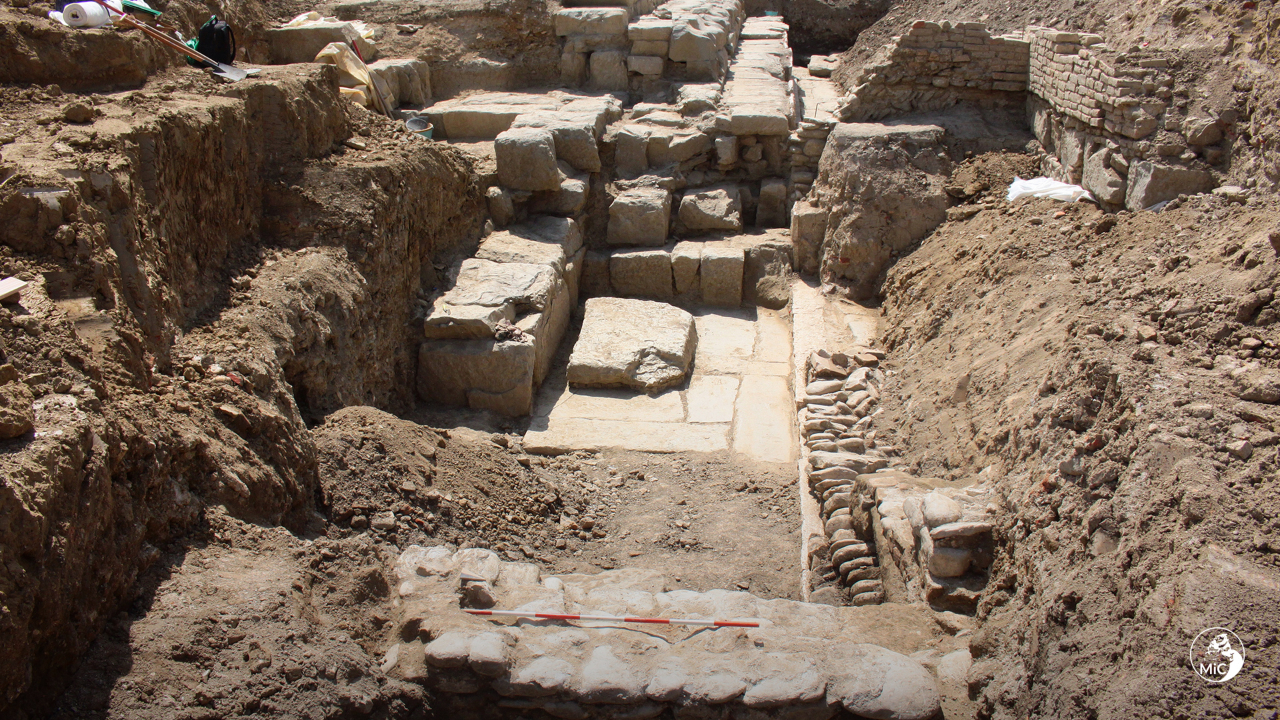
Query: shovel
[{"x": 221, "y": 69}]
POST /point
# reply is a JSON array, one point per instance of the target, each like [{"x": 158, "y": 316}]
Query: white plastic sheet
[{"x": 1043, "y": 187}]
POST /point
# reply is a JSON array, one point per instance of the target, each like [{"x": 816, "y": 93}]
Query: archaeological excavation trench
[{"x": 643, "y": 309}]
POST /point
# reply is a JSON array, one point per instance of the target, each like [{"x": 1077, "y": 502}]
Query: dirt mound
[
  {"x": 242, "y": 620},
  {"x": 1105, "y": 369}
]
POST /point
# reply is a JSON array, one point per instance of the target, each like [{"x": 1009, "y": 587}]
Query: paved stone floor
[{"x": 738, "y": 398}]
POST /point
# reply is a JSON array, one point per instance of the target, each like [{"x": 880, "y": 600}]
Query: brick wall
[
  {"x": 936, "y": 65},
  {"x": 1081, "y": 78}
]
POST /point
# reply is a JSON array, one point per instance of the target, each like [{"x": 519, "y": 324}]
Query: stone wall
[
  {"x": 936, "y": 65},
  {"x": 1112, "y": 122}
]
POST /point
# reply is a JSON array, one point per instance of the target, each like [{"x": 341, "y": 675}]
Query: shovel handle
[{"x": 154, "y": 34}]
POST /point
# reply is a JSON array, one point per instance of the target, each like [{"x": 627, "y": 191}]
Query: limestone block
[
  {"x": 649, "y": 28},
  {"x": 1202, "y": 131},
  {"x": 878, "y": 683},
  {"x": 632, "y": 343},
  {"x": 1151, "y": 183},
  {"x": 645, "y": 64},
  {"x": 641, "y": 273},
  {"x": 751, "y": 119},
  {"x": 501, "y": 208},
  {"x": 657, "y": 48},
  {"x": 568, "y": 201},
  {"x": 694, "y": 40},
  {"x": 766, "y": 274},
  {"x": 609, "y": 70},
  {"x": 667, "y": 146},
  {"x": 685, "y": 260},
  {"x": 822, "y": 65},
  {"x": 591, "y": 21},
  {"x": 573, "y": 68},
  {"x": 301, "y": 44},
  {"x": 413, "y": 79},
  {"x": 771, "y": 211},
  {"x": 727, "y": 149},
  {"x": 490, "y": 374},
  {"x": 486, "y": 292},
  {"x": 574, "y": 135},
  {"x": 721, "y": 276},
  {"x": 521, "y": 245},
  {"x": 808, "y": 226},
  {"x": 639, "y": 216},
  {"x": 1101, "y": 180},
  {"x": 526, "y": 159},
  {"x": 631, "y": 151},
  {"x": 695, "y": 98},
  {"x": 716, "y": 208}
]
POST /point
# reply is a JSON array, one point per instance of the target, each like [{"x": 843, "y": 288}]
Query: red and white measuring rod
[{"x": 612, "y": 618}]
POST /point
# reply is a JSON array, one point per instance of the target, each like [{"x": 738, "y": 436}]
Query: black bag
[{"x": 217, "y": 41}]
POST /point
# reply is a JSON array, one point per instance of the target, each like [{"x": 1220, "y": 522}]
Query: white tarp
[{"x": 1043, "y": 187}]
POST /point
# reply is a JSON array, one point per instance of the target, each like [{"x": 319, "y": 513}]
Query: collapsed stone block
[
  {"x": 639, "y": 216},
  {"x": 721, "y": 275},
  {"x": 487, "y": 292},
  {"x": 1151, "y": 183},
  {"x": 632, "y": 343},
  {"x": 526, "y": 159},
  {"x": 1101, "y": 180},
  {"x": 641, "y": 273},
  {"x": 694, "y": 40},
  {"x": 574, "y": 136},
  {"x": 717, "y": 208}
]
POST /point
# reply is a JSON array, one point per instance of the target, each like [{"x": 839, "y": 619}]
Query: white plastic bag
[{"x": 1043, "y": 187}]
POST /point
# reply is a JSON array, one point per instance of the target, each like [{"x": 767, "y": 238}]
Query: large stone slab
[
  {"x": 527, "y": 159},
  {"x": 569, "y": 434},
  {"x": 640, "y": 216},
  {"x": 632, "y": 343}
]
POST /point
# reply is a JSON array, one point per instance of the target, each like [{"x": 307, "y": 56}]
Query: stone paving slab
[
  {"x": 710, "y": 398},
  {"x": 568, "y": 434},
  {"x": 601, "y": 404},
  {"x": 764, "y": 411}
]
